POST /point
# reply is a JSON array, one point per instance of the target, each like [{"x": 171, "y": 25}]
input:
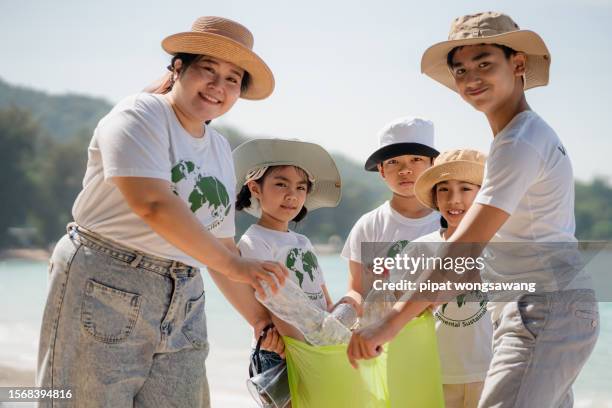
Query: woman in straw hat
[
  {"x": 463, "y": 325},
  {"x": 542, "y": 341},
  {"x": 124, "y": 324}
]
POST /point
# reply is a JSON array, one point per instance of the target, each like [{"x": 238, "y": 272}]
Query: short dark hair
[
  {"x": 507, "y": 52},
  {"x": 243, "y": 198}
]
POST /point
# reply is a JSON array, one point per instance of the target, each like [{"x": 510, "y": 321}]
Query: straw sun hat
[
  {"x": 253, "y": 157},
  {"x": 488, "y": 28},
  {"x": 460, "y": 164},
  {"x": 229, "y": 41}
]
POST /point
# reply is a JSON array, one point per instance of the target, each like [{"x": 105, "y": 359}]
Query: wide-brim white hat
[{"x": 313, "y": 159}]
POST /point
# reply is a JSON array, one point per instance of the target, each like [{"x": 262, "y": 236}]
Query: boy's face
[
  {"x": 400, "y": 173},
  {"x": 454, "y": 198},
  {"x": 485, "y": 78}
]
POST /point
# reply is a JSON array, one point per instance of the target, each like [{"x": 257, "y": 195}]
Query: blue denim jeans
[
  {"x": 121, "y": 328},
  {"x": 540, "y": 344}
]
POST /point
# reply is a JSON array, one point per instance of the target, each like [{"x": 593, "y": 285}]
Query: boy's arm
[{"x": 480, "y": 224}]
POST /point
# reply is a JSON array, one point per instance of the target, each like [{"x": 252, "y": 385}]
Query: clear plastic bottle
[
  {"x": 346, "y": 314},
  {"x": 293, "y": 306}
]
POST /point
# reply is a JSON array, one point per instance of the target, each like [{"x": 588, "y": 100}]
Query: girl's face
[
  {"x": 282, "y": 193},
  {"x": 485, "y": 78},
  {"x": 207, "y": 89},
  {"x": 454, "y": 198},
  {"x": 400, "y": 173}
]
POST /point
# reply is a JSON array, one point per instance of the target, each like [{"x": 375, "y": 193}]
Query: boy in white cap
[
  {"x": 406, "y": 149},
  {"x": 541, "y": 341}
]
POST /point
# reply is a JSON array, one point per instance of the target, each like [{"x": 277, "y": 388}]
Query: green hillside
[
  {"x": 44, "y": 142},
  {"x": 61, "y": 116}
]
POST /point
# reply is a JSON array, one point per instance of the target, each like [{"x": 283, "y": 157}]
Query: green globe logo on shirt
[
  {"x": 463, "y": 317},
  {"x": 397, "y": 248},
  {"x": 302, "y": 261},
  {"x": 205, "y": 190}
]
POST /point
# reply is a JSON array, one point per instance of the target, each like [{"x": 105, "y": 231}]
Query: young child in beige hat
[
  {"x": 541, "y": 341},
  {"x": 463, "y": 325}
]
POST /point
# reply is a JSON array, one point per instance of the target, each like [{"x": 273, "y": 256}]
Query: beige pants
[{"x": 462, "y": 395}]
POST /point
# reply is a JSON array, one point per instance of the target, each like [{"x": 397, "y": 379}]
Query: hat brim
[
  {"x": 434, "y": 63},
  {"x": 326, "y": 190},
  {"x": 226, "y": 49},
  {"x": 398, "y": 149},
  {"x": 462, "y": 170}
]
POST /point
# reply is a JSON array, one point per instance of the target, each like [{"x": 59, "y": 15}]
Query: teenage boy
[{"x": 541, "y": 342}]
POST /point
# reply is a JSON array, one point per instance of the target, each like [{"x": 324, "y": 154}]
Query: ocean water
[{"x": 23, "y": 288}]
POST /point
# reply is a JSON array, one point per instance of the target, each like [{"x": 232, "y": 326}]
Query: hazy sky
[{"x": 343, "y": 68}]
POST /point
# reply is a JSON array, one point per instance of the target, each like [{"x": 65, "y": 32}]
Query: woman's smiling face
[{"x": 208, "y": 88}]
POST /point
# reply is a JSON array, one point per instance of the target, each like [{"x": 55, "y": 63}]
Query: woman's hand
[
  {"x": 254, "y": 272},
  {"x": 272, "y": 341}
]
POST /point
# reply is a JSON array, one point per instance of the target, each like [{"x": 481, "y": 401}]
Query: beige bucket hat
[
  {"x": 229, "y": 41},
  {"x": 459, "y": 164},
  {"x": 252, "y": 158},
  {"x": 488, "y": 28}
]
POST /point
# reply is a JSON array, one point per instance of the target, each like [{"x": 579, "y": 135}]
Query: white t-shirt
[
  {"x": 385, "y": 225},
  {"x": 142, "y": 137},
  {"x": 292, "y": 250},
  {"x": 464, "y": 332},
  {"x": 528, "y": 174}
]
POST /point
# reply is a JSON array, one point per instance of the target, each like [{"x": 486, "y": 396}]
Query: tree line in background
[{"x": 43, "y": 157}]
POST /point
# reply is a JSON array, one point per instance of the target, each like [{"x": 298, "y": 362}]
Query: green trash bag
[
  {"x": 414, "y": 377},
  {"x": 406, "y": 374}
]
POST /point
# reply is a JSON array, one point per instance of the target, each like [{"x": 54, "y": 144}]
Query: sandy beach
[
  {"x": 10, "y": 377},
  {"x": 29, "y": 254}
]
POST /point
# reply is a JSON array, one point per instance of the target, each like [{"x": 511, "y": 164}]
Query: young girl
[
  {"x": 279, "y": 181},
  {"x": 463, "y": 326}
]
